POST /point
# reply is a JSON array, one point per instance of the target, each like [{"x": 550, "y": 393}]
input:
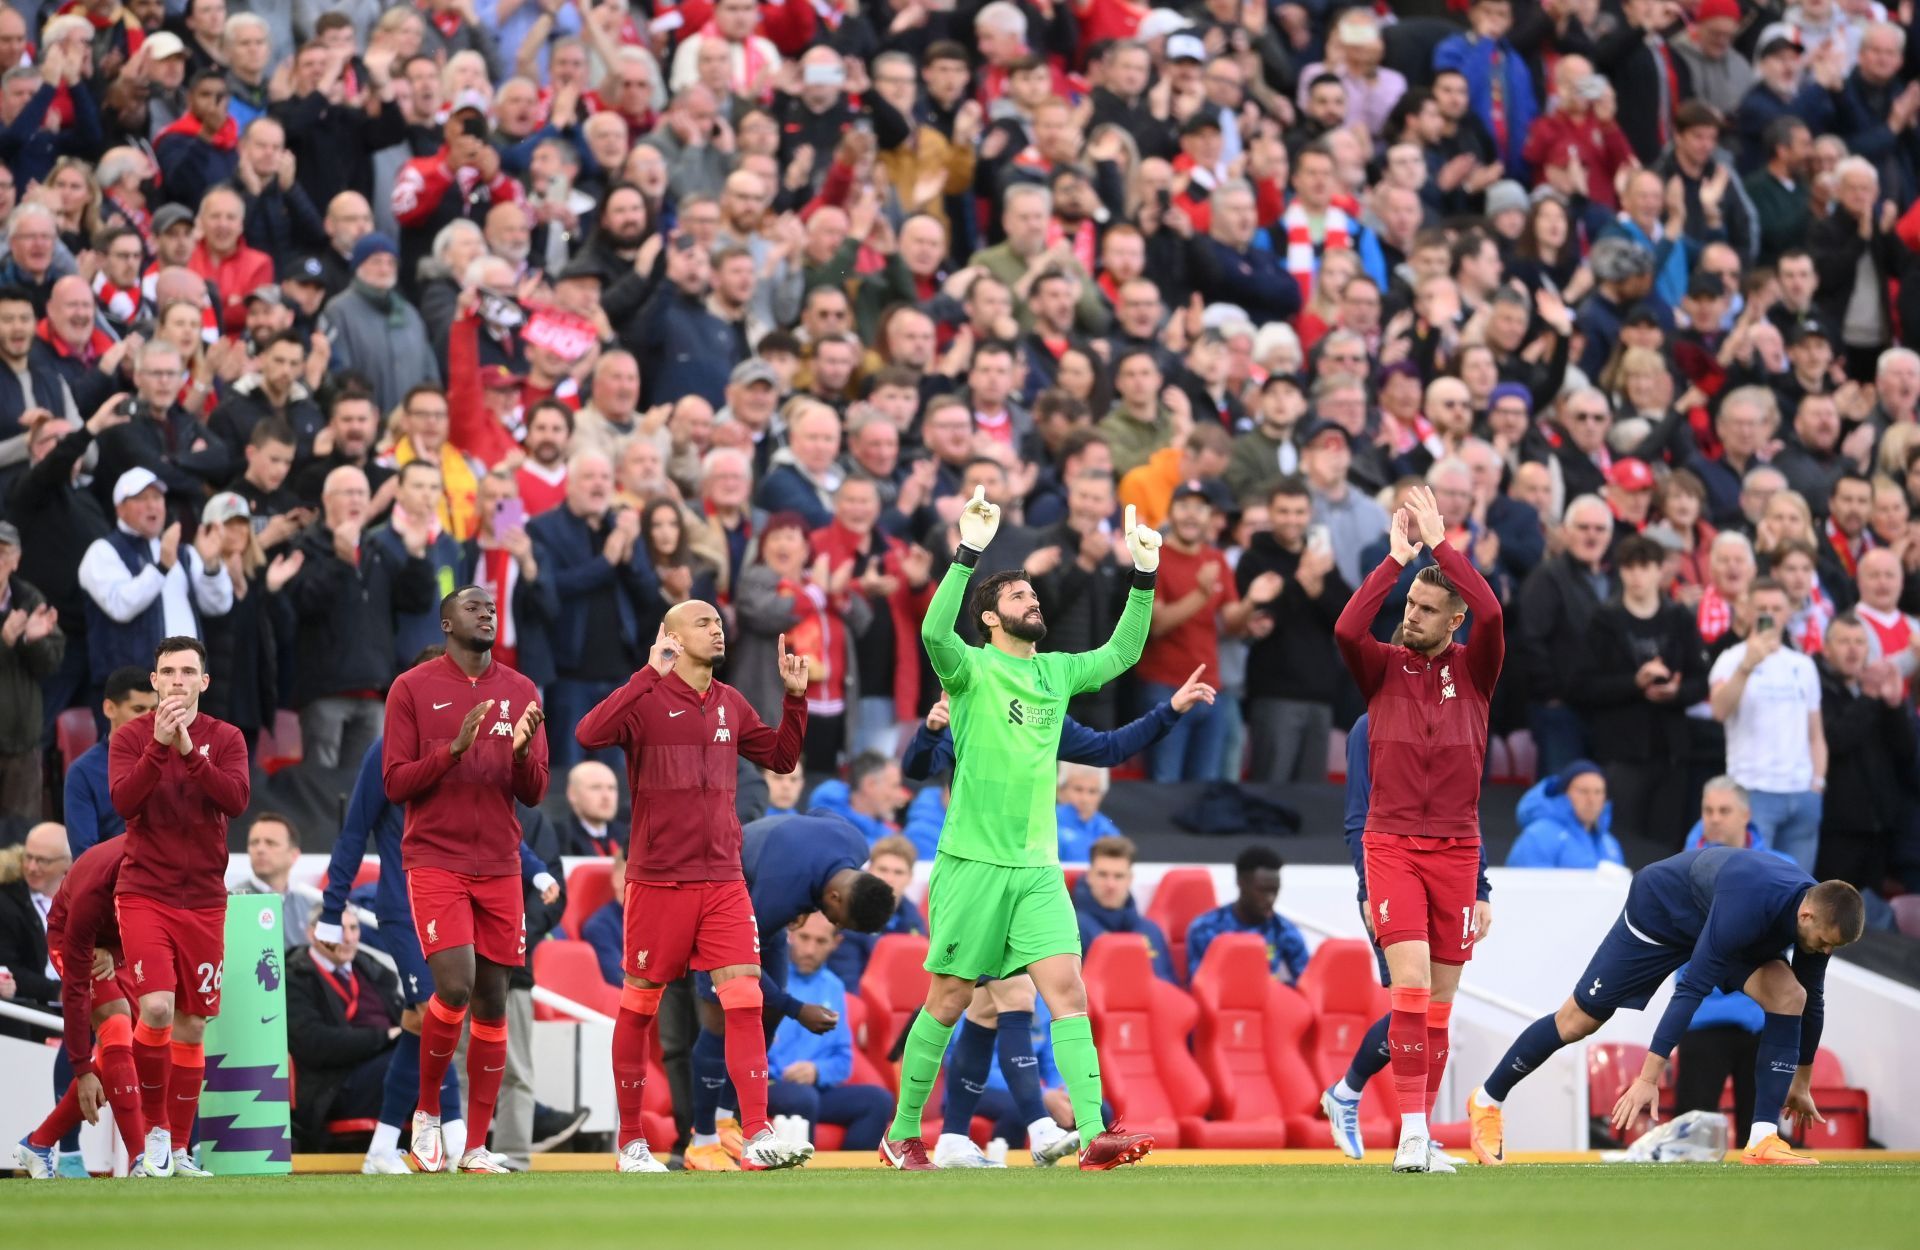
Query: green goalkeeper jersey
[{"x": 1006, "y": 715}]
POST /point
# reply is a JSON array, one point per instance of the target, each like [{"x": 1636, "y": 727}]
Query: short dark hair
[
  {"x": 1466, "y": 247},
  {"x": 870, "y": 904},
  {"x": 288, "y": 336},
  {"x": 1113, "y": 846},
  {"x": 446, "y": 600},
  {"x": 986, "y": 597},
  {"x": 865, "y": 765},
  {"x": 1433, "y": 575},
  {"x": 272, "y": 430},
  {"x": 999, "y": 347},
  {"x": 1779, "y": 133},
  {"x": 552, "y": 405},
  {"x": 897, "y": 376},
  {"x": 181, "y": 642},
  {"x": 1078, "y": 439},
  {"x": 428, "y": 654},
  {"x": 425, "y": 466},
  {"x": 127, "y": 680},
  {"x": 1637, "y": 551},
  {"x": 284, "y": 821},
  {"x": 422, "y": 388},
  {"x": 1255, "y": 859},
  {"x": 1845, "y": 476},
  {"x": 1841, "y": 904},
  {"x": 1325, "y": 80},
  {"x": 206, "y": 75},
  {"x": 1759, "y": 584},
  {"x": 1288, "y": 487},
  {"x": 14, "y": 294},
  {"x": 946, "y": 50}
]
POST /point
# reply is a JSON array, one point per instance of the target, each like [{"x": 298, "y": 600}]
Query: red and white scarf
[
  {"x": 120, "y": 303},
  {"x": 747, "y": 61},
  {"x": 209, "y": 319},
  {"x": 1303, "y": 258},
  {"x": 1714, "y": 617},
  {"x": 1081, "y": 239}
]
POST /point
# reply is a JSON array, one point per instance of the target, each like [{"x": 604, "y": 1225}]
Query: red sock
[
  {"x": 153, "y": 1060},
  {"x": 113, "y": 1061},
  {"x": 1438, "y": 1016},
  {"x": 746, "y": 1051},
  {"x": 486, "y": 1068},
  {"x": 63, "y": 1119},
  {"x": 632, "y": 1039},
  {"x": 1407, "y": 1039},
  {"x": 439, "y": 1038},
  {"x": 183, "y": 1102}
]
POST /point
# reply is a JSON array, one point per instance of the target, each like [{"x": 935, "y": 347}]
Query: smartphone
[
  {"x": 1319, "y": 539},
  {"x": 132, "y": 407},
  {"x": 509, "y": 514},
  {"x": 1166, "y": 199},
  {"x": 1763, "y": 624}
]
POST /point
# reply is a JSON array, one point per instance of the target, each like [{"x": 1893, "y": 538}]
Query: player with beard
[
  {"x": 997, "y": 903},
  {"x": 458, "y": 766},
  {"x": 687, "y": 902}
]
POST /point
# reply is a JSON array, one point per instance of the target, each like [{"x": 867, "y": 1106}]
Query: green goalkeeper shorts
[{"x": 988, "y": 920}]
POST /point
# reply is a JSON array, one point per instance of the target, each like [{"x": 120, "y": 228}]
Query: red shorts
[
  {"x": 181, "y": 950},
  {"x": 1422, "y": 890},
  {"x": 107, "y": 991},
  {"x": 453, "y": 909},
  {"x": 674, "y": 925}
]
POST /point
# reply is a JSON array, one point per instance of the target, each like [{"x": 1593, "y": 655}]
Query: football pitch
[{"x": 1850, "y": 1206}]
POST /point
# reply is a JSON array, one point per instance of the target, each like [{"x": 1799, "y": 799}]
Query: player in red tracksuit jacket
[
  {"x": 176, "y": 776},
  {"x": 686, "y": 896},
  {"x": 463, "y": 742},
  {"x": 1427, "y": 701},
  {"x": 83, "y": 934}
]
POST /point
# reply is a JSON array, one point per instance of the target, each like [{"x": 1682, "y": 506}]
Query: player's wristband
[
  {"x": 966, "y": 557},
  {"x": 1143, "y": 578},
  {"x": 543, "y": 881},
  {"x": 328, "y": 933}
]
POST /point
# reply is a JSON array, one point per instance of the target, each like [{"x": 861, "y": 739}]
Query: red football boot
[
  {"x": 1115, "y": 1148},
  {"x": 907, "y": 1155}
]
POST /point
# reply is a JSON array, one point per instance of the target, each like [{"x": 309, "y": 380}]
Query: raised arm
[
  {"x": 952, "y": 658},
  {"x": 1106, "y": 748},
  {"x": 1366, "y": 656},
  {"x": 1487, "y": 645},
  {"x": 615, "y": 721},
  {"x": 1121, "y": 652},
  {"x": 365, "y": 807}
]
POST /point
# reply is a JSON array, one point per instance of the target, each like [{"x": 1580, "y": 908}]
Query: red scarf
[
  {"x": 1302, "y": 258},
  {"x": 98, "y": 344},
  {"x": 120, "y": 303},
  {"x": 227, "y": 138},
  {"x": 1081, "y": 239}
]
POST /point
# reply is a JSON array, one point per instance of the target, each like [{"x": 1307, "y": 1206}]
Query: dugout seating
[
  {"x": 1140, "y": 1025},
  {"x": 75, "y": 734},
  {"x": 571, "y": 969},
  {"x": 589, "y": 887},
  {"x": 280, "y": 745},
  {"x": 1342, "y": 985},
  {"x": 1246, "y": 1035},
  {"x": 1182, "y": 894},
  {"x": 368, "y": 873},
  {"x": 1611, "y": 1067},
  {"x": 892, "y": 989},
  {"x": 1906, "y": 914},
  {"x": 1845, "y": 1108}
]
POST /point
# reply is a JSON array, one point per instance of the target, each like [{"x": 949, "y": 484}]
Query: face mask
[{"x": 501, "y": 312}]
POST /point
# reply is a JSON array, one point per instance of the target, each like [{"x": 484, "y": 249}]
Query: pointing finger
[
  {"x": 1129, "y": 528},
  {"x": 780, "y": 647},
  {"x": 979, "y": 496},
  {"x": 1196, "y": 674}
]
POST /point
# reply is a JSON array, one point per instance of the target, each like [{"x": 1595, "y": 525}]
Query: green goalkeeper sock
[
  {"x": 1079, "y": 1063},
  {"x": 919, "y": 1067}
]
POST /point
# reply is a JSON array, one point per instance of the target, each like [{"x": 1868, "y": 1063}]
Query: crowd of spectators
[{"x": 310, "y": 314}]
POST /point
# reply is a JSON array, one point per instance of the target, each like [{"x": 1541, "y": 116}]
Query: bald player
[{"x": 687, "y": 903}]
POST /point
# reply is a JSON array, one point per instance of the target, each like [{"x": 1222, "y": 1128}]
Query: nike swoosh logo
[
  {"x": 499, "y": 1068},
  {"x": 438, "y": 706},
  {"x": 268, "y": 1019},
  {"x": 681, "y": 712}
]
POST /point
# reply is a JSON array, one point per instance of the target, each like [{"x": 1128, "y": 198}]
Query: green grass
[{"x": 1842, "y": 1206}]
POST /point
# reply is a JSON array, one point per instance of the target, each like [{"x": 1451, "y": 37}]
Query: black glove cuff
[
  {"x": 966, "y": 557},
  {"x": 1143, "y": 579}
]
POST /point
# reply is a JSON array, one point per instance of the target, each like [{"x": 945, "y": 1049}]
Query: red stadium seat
[
  {"x": 1611, "y": 1067},
  {"x": 1140, "y": 1025},
  {"x": 1846, "y": 1109},
  {"x": 1181, "y": 895},
  {"x": 1242, "y": 1033},
  {"x": 1343, "y": 986},
  {"x": 572, "y": 969},
  {"x": 893, "y": 987},
  {"x": 1073, "y": 876},
  {"x": 589, "y": 888},
  {"x": 75, "y": 734},
  {"x": 1906, "y": 914},
  {"x": 280, "y": 744}
]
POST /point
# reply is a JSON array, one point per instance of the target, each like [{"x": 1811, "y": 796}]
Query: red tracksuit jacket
[
  {"x": 177, "y": 808},
  {"x": 460, "y": 813},
  {"x": 683, "y": 767},
  {"x": 81, "y": 918},
  {"x": 1427, "y": 718}
]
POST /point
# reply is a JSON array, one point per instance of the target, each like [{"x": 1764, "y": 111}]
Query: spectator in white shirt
[
  {"x": 1768, "y": 696},
  {"x": 141, "y": 585}
]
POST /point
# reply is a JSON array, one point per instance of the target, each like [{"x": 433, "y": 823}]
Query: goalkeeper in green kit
[{"x": 997, "y": 903}]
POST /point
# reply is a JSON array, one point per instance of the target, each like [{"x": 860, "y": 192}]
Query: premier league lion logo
[{"x": 267, "y": 971}]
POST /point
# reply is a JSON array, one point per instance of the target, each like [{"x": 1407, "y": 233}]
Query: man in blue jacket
[
  {"x": 1565, "y": 822},
  {"x": 1499, "y": 85},
  {"x": 1103, "y": 899},
  {"x": 1722, "y": 918},
  {"x": 89, "y": 810},
  {"x": 794, "y": 865},
  {"x": 1256, "y": 871},
  {"x": 811, "y": 1072},
  {"x": 1342, "y": 1102}
]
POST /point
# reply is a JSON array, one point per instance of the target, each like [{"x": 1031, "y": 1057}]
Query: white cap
[
  {"x": 162, "y": 44},
  {"x": 471, "y": 99},
  {"x": 1160, "y": 22},
  {"x": 1186, "y": 47},
  {"x": 132, "y": 482},
  {"x": 223, "y": 507}
]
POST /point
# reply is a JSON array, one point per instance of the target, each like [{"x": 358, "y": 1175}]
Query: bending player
[
  {"x": 83, "y": 933},
  {"x": 1732, "y": 918},
  {"x": 794, "y": 865},
  {"x": 1341, "y": 1103},
  {"x": 1000, "y": 1016},
  {"x": 458, "y": 766},
  {"x": 176, "y": 776},
  {"x": 1427, "y": 700},
  {"x": 687, "y": 902},
  {"x": 371, "y": 816},
  {"x": 997, "y": 903}
]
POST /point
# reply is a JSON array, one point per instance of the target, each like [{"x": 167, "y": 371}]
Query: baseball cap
[
  {"x": 751, "y": 370},
  {"x": 469, "y": 101},
  {"x": 1630, "y": 474},
  {"x": 1710, "y": 9},
  {"x": 162, "y": 44},
  {"x": 305, "y": 268},
  {"x": 1214, "y": 492},
  {"x": 498, "y": 377},
  {"x": 1160, "y": 22},
  {"x": 1779, "y": 37},
  {"x": 223, "y": 507},
  {"x": 167, "y": 216},
  {"x": 9, "y": 535},
  {"x": 1205, "y": 119},
  {"x": 132, "y": 482},
  {"x": 1186, "y": 48},
  {"x": 1320, "y": 429},
  {"x": 1809, "y": 328},
  {"x": 371, "y": 245},
  {"x": 267, "y": 294}
]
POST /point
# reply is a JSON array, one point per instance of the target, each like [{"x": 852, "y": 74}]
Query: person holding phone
[{"x": 1768, "y": 696}]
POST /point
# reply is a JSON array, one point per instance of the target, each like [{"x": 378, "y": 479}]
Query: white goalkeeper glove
[
  {"x": 1144, "y": 543},
  {"x": 979, "y": 520}
]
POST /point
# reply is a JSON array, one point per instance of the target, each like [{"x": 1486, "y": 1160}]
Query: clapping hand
[
  {"x": 793, "y": 668},
  {"x": 1143, "y": 544},
  {"x": 470, "y": 728},
  {"x": 1193, "y": 691},
  {"x": 525, "y": 728},
  {"x": 1425, "y": 512},
  {"x": 1399, "y": 545}
]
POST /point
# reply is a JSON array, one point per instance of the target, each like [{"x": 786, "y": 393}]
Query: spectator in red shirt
[
  {"x": 223, "y": 258},
  {"x": 1577, "y": 151}
]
